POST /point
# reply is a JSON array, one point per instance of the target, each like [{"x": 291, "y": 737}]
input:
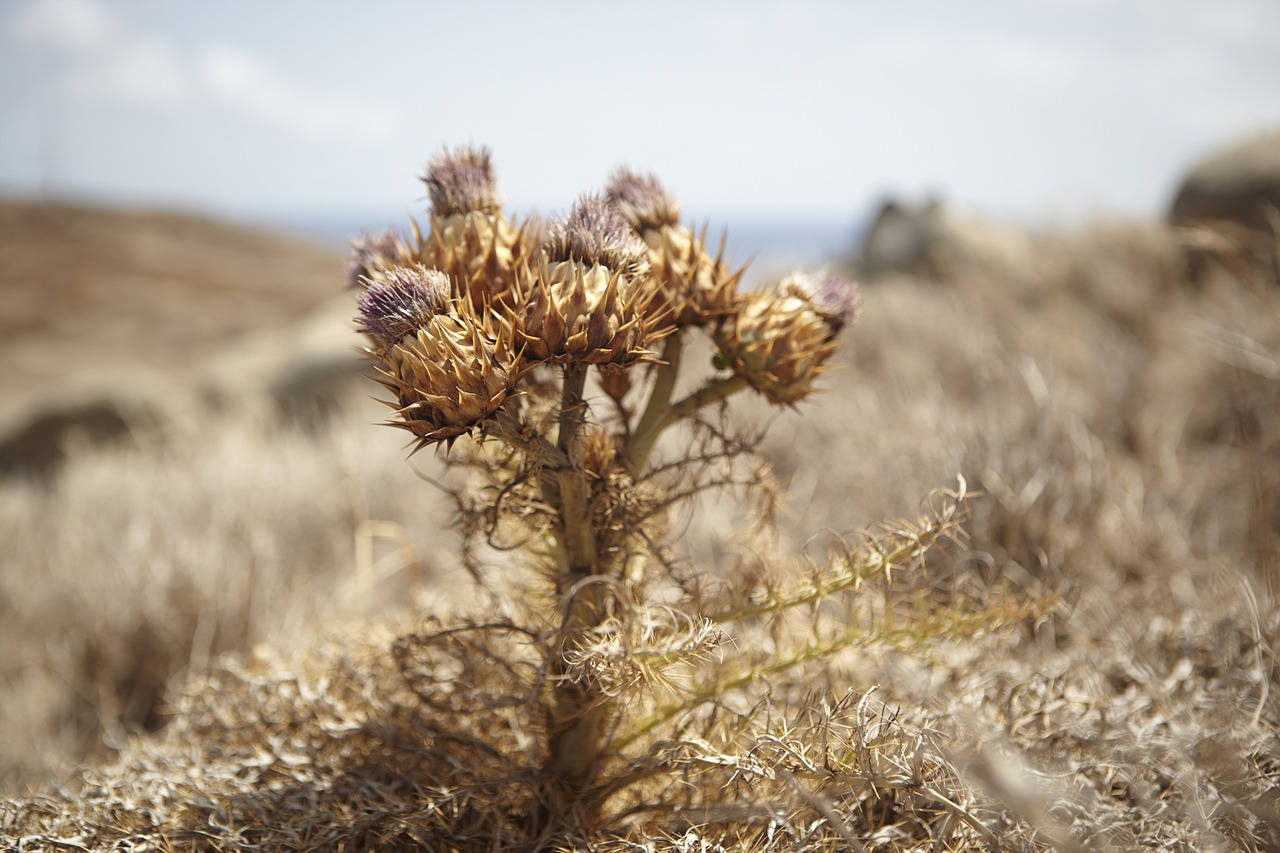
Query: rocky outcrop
[
  {"x": 934, "y": 240},
  {"x": 1229, "y": 202}
]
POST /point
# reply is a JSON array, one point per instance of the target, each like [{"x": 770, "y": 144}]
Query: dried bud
[
  {"x": 481, "y": 253},
  {"x": 470, "y": 239},
  {"x": 400, "y": 302},
  {"x": 779, "y": 340},
  {"x": 691, "y": 287},
  {"x": 581, "y": 313},
  {"x": 642, "y": 201},
  {"x": 583, "y": 302},
  {"x": 372, "y": 253},
  {"x": 614, "y": 381},
  {"x": 837, "y": 300},
  {"x": 462, "y": 182},
  {"x": 449, "y": 376},
  {"x": 595, "y": 233}
]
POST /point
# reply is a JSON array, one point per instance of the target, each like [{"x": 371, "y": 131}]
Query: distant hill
[{"x": 93, "y": 296}]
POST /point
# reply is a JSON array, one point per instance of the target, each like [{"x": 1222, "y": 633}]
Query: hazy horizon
[{"x": 749, "y": 111}]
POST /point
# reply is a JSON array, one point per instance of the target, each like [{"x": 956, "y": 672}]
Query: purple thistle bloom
[
  {"x": 596, "y": 233},
  {"x": 401, "y": 303},
  {"x": 368, "y": 252},
  {"x": 642, "y": 200},
  {"x": 837, "y": 300},
  {"x": 461, "y": 182}
]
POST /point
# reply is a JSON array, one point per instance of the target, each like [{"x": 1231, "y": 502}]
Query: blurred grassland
[{"x": 169, "y": 609}]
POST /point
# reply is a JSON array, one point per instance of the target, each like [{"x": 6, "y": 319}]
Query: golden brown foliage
[{"x": 1092, "y": 666}]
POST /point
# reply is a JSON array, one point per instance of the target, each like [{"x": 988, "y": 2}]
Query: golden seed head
[
  {"x": 584, "y": 300},
  {"x": 480, "y": 252},
  {"x": 642, "y": 200},
  {"x": 594, "y": 233},
  {"x": 450, "y": 375},
  {"x": 692, "y": 287},
  {"x": 574, "y": 312},
  {"x": 779, "y": 340},
  {"x": 462, "y": 181}
]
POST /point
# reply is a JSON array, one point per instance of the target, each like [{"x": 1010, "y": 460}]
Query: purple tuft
[
  {"x": 368, "y": 252},
  {"x": 462, "y": 181},
  {"x": 642, "y": 200},
  {"x": 401, "y": 303},
  {"x": 594, "y": 232},
  {"x": 836, "y": 299}
]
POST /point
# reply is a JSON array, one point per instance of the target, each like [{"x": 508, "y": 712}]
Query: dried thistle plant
[{"x": 482, "y": 329}]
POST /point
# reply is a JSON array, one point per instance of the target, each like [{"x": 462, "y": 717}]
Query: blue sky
[{"x": 748, "y": 110}]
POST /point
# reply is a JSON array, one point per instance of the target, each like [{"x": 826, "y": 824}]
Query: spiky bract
[
  {"x": 585, "y": 301},
  {"x": 480, "y": 251},
  {"x": 779, "y": 340},
  {"x": 450, "y": 375},
  {"x": 587, "y": 314},
  {"x": 692, "y": 288}
]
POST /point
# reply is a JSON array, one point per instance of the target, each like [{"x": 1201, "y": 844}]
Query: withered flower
[
  {"x": 400, "y": 302},
  {"x": 642, "y": 200},
  {"x": 692, "y": 287},
  {"x": 470, "y": 239},
  {"x": 373, "y": 254},
  {"x": 462, "y": 182},
  {"x": 447, "y": 368},
  {"x": 584, "y": 301},
  {"x": 779, "y": 340}
]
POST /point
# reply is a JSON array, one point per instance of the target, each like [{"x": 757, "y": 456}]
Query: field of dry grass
[{"x": 213, "y": 640}]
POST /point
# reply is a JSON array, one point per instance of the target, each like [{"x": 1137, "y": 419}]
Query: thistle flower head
[
  {"x": 594, "y": 232},
  {"x": 370, "y": 253},
  {"x": 401, "y": 301},
  {"x": 449, "y": 375},
  {"x": 779, "y": 340},
  {"x": 642, "y": 200},
  {"x": 461, "y": 182},
  {"x": 836, "y": 300}
]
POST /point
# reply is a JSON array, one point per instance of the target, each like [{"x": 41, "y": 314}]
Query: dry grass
[{"x": 1091, "y": 665}]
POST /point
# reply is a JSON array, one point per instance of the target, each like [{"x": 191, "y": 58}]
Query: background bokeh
[{"x": 321, "y": 114}]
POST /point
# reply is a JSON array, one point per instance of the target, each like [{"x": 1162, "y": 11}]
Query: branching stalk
[
  {"x": 713, "y": 392},
  {"x": 647, "y": 431}
]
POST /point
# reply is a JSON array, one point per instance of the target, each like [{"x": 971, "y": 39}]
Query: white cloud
[
  {"x": 256, "y": 89},
  {"x": 75, "y": 26},
  {"x": 145, "y": 72},
  {"x": 107, "y": 62}
]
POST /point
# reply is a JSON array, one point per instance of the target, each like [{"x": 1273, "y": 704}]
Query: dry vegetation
[{"x": 240, "y": 630}]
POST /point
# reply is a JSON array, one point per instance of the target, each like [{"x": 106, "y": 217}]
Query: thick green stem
[
  {"x": 646, "y": 433},
  {"x": 712, "y": 392}
]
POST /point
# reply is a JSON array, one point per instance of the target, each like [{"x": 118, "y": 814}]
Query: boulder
[
  {"x": 934, "y": 240},
  {"x": 38, "y": 443},
  {"x": 1230, "y": 203}
]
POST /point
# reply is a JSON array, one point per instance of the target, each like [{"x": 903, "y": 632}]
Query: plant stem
[
  {"x": 579, "y": 713},
  {"x": 647, "y": 431},
  {"x": 575, "y": 516},
  {"x": 671, "y": 413}
]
